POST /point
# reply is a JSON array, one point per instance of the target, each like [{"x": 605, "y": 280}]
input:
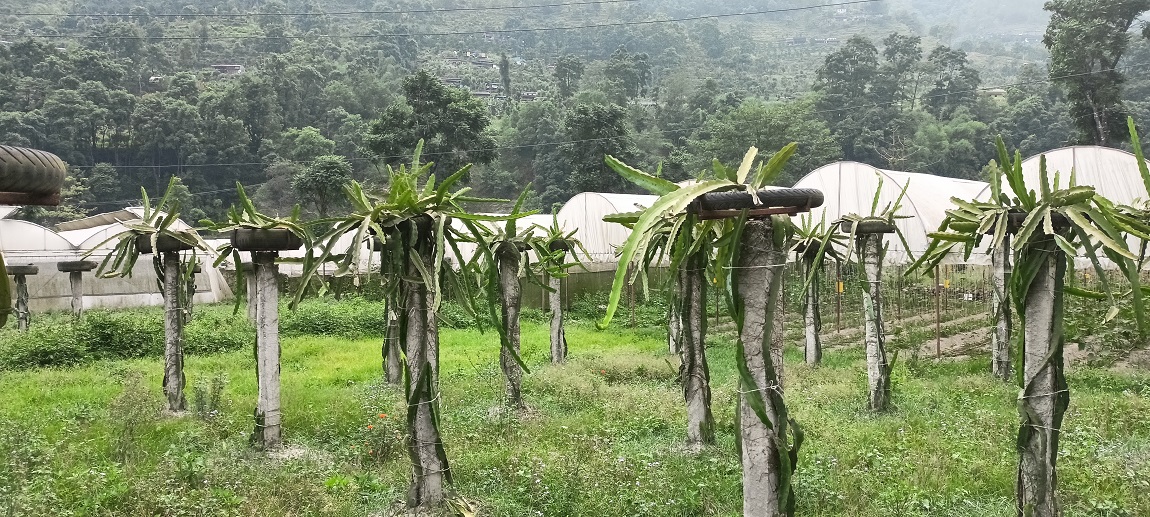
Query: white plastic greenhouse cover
[
  {"x": 1112, "y": 172},
  {"x": 585, "y": 213},
  {"x": 89, "y": 232},
  {"x": 849, "y": 188}
]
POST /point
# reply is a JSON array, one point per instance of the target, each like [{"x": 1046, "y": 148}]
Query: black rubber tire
[
  {"x": 559, "y": 245},
  {"x": 273, "y": 239},
  {"x": 23, "y": 269},
  {"x": 867, "y": 227},
  {"x": 31, "y": 171},
  {"x": 1015, "y": 219},
  {"x": 807, "y": 252},
  {"x": 770, "y": 198},
  {"x": 76, "y": 266},
  {"x": 165, "y": 243}
]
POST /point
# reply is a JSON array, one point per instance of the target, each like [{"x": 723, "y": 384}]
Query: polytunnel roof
[
  {"x": 1112, "y": 172},
  {"x": 849, "y": 188},
  {"x": 90, "y": 231},
  {"x": 16, "y": 235},
  {"x": 585, "y": 213},
  {"x": 5, "y": 211}
]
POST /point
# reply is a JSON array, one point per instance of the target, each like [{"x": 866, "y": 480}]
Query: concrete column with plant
[
  {"x": 553, "y": 247},
  {"x": 1000, "y": 312},
  {"x": 264, "y": 237},
  {"x": 1048, "y": 227},
  {"x": 417, "y": 215},
  {"x": 812, "y": 243},
  {"x": 158, "y": 234},
  {"x": 720, "y": 227},
  {"x": 865, "y": 233},
  {"x": 508, "y": 257}
]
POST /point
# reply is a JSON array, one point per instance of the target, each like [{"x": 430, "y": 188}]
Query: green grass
[{"x": 602, "y": 437}]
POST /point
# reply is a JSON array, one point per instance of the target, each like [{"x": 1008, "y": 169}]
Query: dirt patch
[
  {"x": 1137, "y": 361},
  {"x": 957, "y": 346},
  {"x": 298, "y": 453}
]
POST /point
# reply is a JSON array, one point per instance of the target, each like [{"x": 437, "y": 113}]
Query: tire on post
[{"x": 30, "y": 176}]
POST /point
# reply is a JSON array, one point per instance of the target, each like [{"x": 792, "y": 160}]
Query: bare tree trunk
[
  {"x": 511, "y": 296},
  {"x": 267, "y": 431},
  {"x": 695, "y": 374},
  {"x": 173, "y": 334},
  {"x": 558, "y": 335},
  {"x": 1044, "y": 397},
  {"x": 23, "y": 314},
  {"x": 878, "y": 369},
  {"x": 430, "y": 471},
  {"x": 392, "y": 365},
  {"x": 813, "y": 350},
  {"x": 766, "y": 475},
  {"x": 1000, "y": 310}
]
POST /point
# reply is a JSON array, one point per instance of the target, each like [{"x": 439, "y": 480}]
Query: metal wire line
[
  {"x": 332, "y": 13},
  {"x": 456, "y": 33}
]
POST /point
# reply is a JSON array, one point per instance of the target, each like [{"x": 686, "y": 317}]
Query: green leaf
[
  {"x": 745, "y": 167},
  {"x": 1109, "y": 240},
  {"x": 769, "y": 172},
  {"x": 636, "y": 243},
  {"x": 1136, "y": 143},
  {"x": 655, "y": 185}
]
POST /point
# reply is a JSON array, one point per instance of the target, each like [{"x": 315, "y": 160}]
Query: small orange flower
[
  {"x": 383, "y": 415},
  {"x": 604, "y": 372},
  {"x": 370, "y": 427}
]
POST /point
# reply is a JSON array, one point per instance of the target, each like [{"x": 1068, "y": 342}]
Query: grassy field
[{"x": 601, "y": 438}]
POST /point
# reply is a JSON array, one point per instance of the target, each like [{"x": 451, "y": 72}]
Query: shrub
[
  {"x": 121, "y": 334},
  {"x": 651, "y": 312},
  {"x": 214, "y": 332},
  {"x": 42, "y": 345},
  {"x": 349, "y": 318}
]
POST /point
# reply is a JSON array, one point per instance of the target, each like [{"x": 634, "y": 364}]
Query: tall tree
[
  {"x": 627, "y": 74},
  {"x": 957, "y": 83},
  {"x": 1087, "y": 39},
  {"x": 321, "y": 183},
  {"x": 568, "y": 72},
  {"x": 452, "y": 124},
  {"x": 595, "y": 130}
]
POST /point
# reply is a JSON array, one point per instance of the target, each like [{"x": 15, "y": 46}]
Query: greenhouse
[
  {"x": 27, "y": 243},
  {"x": 1112, "y": 172},
  {"x": 849, "y": 188},
  {"x": 585, "y": 213}
]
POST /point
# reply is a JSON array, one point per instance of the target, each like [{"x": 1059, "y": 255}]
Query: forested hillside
[{"x": 270, "y": 93}]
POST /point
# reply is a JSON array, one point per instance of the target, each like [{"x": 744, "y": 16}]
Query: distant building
[
  {"x": 528, "y": 96},
  {"x": 229, "y": 69},
  {"x": 994, "y": 93}
]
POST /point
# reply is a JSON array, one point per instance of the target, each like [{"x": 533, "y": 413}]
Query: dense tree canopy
[
  {"x": 1087, "y": 40},
  {"x": 142, "y": 96}
]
